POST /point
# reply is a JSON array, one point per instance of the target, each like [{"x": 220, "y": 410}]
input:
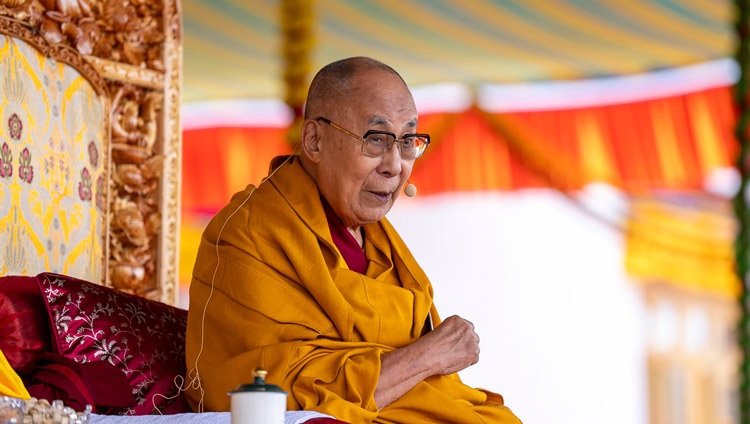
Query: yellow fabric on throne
[{"x": 52, "y": 166}]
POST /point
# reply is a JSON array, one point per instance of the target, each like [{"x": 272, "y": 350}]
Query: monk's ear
[{"x": 311, "y": 138}]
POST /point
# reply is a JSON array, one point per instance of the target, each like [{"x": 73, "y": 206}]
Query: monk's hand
[
  {"x": 454, "y": 344},
  {"x": 449, "y": 348}
]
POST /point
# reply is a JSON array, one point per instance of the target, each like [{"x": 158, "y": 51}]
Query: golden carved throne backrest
[{"x": 90, "y": 141}]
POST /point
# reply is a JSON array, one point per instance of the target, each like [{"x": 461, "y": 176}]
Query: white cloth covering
[{"x": 292, "y": 417}]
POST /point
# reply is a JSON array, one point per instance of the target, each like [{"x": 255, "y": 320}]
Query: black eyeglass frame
[{"x": 388, "y": 147}]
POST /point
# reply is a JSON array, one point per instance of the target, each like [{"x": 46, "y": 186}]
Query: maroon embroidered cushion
[
  {"x": 144, "y": 339},
  {"x": 24, "y": 327}
]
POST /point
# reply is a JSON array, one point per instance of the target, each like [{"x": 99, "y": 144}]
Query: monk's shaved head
[{"x": 335, "y": 81}]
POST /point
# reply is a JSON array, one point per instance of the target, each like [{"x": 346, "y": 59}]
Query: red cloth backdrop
[{"x": 670, "y": 143}]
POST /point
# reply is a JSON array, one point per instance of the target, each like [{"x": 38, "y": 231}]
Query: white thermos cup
[{"x": 258, "y": 403}]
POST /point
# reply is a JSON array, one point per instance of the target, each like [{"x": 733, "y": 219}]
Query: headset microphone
[{"x": 410, "y": 190}]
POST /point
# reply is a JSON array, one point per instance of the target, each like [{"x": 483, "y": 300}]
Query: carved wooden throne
[{"x": 90, "y": 141}]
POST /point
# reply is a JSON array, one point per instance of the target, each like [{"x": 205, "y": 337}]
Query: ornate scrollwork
[
  {"x": 137, "y": 168},
  {"x": 124, "y": 31}
]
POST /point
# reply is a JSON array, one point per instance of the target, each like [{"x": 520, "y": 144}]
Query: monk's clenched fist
[{"x": 454, "y": 344}]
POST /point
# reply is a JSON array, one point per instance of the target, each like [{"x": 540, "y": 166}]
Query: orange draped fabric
[
  {"x": 218, "y": 162},
  {"x": 669, "y": 143}
]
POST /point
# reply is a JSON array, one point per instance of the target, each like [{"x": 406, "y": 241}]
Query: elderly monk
[{"x": 305, "y": 277}]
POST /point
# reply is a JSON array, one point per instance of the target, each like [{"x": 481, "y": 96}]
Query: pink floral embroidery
[
  {"x": 93, "y": 154},
  {"x": 6, "y": 162},
  {"x": 84, "y": 187},
  {"x": 15, "y": 127},
  {"x": 25, "y": 170}
]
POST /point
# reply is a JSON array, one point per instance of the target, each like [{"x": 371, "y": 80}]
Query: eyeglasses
[{"x": 377, "y": 143}]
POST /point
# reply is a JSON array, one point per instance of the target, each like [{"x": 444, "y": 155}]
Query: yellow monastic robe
[
  {"x": 10, "y": 383},
  {"x": 278, "y": 295}
]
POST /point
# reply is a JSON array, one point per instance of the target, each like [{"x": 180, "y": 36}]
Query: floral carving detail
[
  {"x": 6, "y": 162},
  {"x": 25, "y": 170},
  {"x": 84, "y": 187},
  {"x": 126, "y": 31},
  {"x": 93, "y": 155},
  {"x": 15, "y": 127},
  {"x": 100, "y": 193}
]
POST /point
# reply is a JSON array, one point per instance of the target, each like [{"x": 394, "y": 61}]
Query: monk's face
[{"x": 362, "y": 189}]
